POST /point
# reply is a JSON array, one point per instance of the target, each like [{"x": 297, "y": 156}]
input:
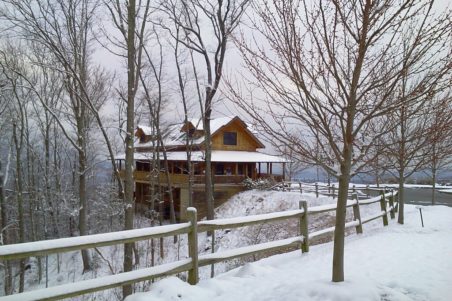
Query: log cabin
[{"x": 235, "y": 157}]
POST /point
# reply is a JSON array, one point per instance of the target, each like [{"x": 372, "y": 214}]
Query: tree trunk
[
  {"x": 400, "y": 218},
  {"x": 339, "y": 232},
  {"x": 20, "y": 208},
  {"x": 208, "y": 161},
  {"x": 82, "y": 218},
  {"x": 433, "y": 185},
  {"x": 7, "y": 271},
  {"x": 129, "y": 162},
  {"x": 169, "y": 187}
]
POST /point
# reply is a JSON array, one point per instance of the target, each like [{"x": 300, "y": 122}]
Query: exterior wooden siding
[
  {"x": 182, "y": 179},
  {"x": 244, "y": 141}
]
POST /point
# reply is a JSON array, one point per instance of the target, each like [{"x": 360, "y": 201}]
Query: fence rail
[
  {"x": 326, "y": 189},
  {"x": 192, "y": 228}
]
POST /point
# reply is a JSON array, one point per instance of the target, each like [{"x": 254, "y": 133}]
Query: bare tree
[
  {"x": 17, "y": 107},
  {"x": 439, "y": 138},
  {"x": 222, "y": 18},
  {"x": 130, "y": 19},
  {"x": 405, "y": 144},
  {"x": 4, "y": 217},
  {"x": 64, "y": 29},
  {"x": 152, "y": 81},
  {"x": 326, "y": 72}
]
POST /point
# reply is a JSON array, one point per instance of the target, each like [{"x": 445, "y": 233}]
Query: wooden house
[{"x": 235, "y": 157}]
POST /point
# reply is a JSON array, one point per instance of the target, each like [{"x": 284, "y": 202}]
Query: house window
[
  {"x": 219, "y": 169},
  {"x": 240, "y": 169},
  {"x": 230, "y": 138},
  {"x": 191, "y": 132}
]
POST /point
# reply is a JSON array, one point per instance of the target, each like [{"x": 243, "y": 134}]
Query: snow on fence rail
[
  {"x": 325, "y": 189},
  {"x": 192, "y": 228}
]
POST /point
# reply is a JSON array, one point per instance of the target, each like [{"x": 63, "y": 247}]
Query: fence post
[
  {"x": 301, "y": 189},
  {"x": 383, "y": 208},
  {"x": 212, "y": 267},
  {"x": 334, "y": 191},
  {"x": 354, "y": 189},
  {"x": 304, "y": 227},
  {"x": 317, "y": 190},
  {"x": 357, "y": 214},
  {"x": 283, "y": 186},
  {"x": 396, "y": 199},
  {"x": 391, "y": 204},
  {"x": 367, "y": 190},
  {"x": 193, "y": 274}
]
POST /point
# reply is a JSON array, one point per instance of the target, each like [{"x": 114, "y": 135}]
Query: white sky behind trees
[{"x": 233, "y": 65}]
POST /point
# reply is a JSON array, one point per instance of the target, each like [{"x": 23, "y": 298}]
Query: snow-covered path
[{"x": 393, "y": 263}]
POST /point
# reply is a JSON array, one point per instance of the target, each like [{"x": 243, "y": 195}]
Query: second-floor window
[{"x": 230, "y": 138}]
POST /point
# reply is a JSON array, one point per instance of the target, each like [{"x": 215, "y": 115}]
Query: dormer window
[
  {"x": 230, "y": 138},
  {"x": 191, "y": 132}
]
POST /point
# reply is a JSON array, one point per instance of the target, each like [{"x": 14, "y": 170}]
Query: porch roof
[{"x": 217, "y": 156}]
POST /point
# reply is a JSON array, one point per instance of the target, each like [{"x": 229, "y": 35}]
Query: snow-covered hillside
[
  {"x": 108, "y": 260},
  {"x": 399, "y": 263}
]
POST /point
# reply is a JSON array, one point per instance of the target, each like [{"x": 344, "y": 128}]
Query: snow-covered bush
[{"x": 260, "y": 184}]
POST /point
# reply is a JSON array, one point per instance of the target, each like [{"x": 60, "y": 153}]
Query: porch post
[
  {"x": 259, "y": 169},
  {"x": 284, "y": 171}
]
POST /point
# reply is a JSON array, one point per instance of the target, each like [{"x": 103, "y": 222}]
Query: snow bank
[{"x": 399, "y": 262}]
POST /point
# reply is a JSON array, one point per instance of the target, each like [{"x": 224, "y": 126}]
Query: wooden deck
[{"x": 182, "y": 179}]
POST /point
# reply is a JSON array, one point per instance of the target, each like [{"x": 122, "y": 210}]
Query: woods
[{"x": 350, "y": 87}]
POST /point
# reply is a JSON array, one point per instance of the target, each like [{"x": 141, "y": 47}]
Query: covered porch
[{"x": 228, "y": 167}]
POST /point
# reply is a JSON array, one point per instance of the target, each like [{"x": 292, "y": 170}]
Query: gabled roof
[
  {"x": 147, "y": 130},
  {"x": 245, "y": 127},
  {"x": 176, "y": 136}
]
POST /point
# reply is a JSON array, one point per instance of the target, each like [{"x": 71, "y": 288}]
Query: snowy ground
[
  {"x": 398, "y": 262},
  {"x": 389, "y": 185},
  {"x": 108, "y": 260}
]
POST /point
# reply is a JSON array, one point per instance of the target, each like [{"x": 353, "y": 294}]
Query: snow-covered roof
[
  {"x": 176, "y": 138},
  {"x": 217, "y": 156},
  {"x": 147, "y": 130}
]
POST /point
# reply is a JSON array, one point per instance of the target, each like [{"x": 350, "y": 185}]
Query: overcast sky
[{"x": 233, "y": 66}]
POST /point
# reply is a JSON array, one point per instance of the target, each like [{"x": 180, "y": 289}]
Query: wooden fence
[
  {"x": 192, "y": 228},
  {"x": 325, "y": 189}
]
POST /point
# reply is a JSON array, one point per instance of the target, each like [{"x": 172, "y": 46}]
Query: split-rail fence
[{"x": 192, "y": 228}]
